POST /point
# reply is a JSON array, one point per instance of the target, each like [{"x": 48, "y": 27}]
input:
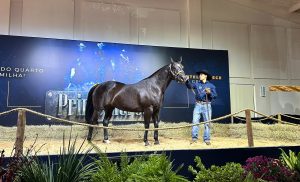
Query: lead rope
[{"x": 208, "y": 115}]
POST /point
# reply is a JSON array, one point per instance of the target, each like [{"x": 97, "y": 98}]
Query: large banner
[{"x": 53, "y": 76}]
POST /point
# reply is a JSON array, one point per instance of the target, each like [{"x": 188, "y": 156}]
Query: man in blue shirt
[{"x": 205, "y": 92}]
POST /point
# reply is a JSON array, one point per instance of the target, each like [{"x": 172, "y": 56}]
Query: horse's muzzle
[{"x": 182, "y": 78}]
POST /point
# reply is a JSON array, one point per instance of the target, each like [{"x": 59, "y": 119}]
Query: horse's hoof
[
  {"x": 156, "y": 142},
  {"x": 147, "y": 143},
  {"x": 106, "y": 141}
]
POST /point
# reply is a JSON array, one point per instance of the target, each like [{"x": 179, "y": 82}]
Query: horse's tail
[{"x": 89, "y": 108}]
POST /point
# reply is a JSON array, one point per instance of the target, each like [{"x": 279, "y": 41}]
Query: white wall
[
  {"x": 48, "y": 18},
  {"x": 4, "y": 16},
  {"x": 263, "y": 49}
]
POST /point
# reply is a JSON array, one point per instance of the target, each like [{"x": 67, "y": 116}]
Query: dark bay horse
[{"x": 144, "y": 96}]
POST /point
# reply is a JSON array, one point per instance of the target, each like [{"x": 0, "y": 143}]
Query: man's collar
[{"x": 203, "y": 82}]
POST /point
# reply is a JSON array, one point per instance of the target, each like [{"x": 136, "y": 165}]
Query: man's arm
[
  {"x": 213, "y": 92},
  {"x": 190, "y": 85}
]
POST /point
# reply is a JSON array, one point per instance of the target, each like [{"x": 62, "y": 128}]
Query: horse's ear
[
  {"x": 180, "y": 59},
  {"x": 172, "y": 61}
]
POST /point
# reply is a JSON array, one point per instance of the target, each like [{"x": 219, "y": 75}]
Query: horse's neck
[{"x": 161, "y": 79}]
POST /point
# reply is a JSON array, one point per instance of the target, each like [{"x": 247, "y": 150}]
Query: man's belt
[{"x": 202, "y": 102}]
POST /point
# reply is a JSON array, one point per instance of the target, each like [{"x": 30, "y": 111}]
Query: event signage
[
  {"x": 54, "y": 76},
  {"x": 71, "y": 105}
]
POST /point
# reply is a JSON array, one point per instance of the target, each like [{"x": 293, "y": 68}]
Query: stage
[{"x": 49, "y": 138}]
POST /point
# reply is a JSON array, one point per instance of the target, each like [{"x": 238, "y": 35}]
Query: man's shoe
[
  {"x": 207, "y": 143},
  {"x": 194, "y": 141}
]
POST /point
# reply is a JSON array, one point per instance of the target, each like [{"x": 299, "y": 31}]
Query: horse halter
[{"x": 176, "y": 74}]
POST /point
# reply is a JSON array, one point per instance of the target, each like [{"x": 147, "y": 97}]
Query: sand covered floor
[
  {"x": 127, "y": 145},
  {"x": 49, "y": 139}
]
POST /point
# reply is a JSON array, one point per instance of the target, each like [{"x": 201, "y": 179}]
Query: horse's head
[{"x": 176, "y": 69}]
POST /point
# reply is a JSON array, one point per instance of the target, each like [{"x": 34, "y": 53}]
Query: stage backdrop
[{"x": 53, "y": 76}]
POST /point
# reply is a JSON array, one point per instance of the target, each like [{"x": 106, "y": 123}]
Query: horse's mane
[{"x": 156, "y": 72}]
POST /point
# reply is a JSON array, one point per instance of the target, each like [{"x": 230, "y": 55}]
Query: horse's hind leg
[
  {"x": 147, "y": 117},
  {"x": 94, "y": 122},
  {"x": 155, "y": 121},
  {"x": 107, "y": 117}
]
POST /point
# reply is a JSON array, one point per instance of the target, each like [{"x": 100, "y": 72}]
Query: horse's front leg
[
  {"x": 107, "y": 117},
  {"x": 147, "y": 116},
  {"x": 156, "y": 121}
]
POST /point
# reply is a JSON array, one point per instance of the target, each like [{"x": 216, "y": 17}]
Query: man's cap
[{"x": 209, "y": 77}]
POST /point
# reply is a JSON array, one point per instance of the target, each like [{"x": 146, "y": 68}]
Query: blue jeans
[{"x": 204, "y": 110}]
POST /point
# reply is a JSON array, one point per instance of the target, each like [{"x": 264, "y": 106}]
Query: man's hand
[
  {"x": 207, "y": 90},
  {"x": 186, "y": 78}
]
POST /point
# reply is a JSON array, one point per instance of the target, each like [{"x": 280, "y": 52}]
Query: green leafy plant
[
  {"x": 36, "y": 171},
  {"x": 158, "y": 168},
  {"x": 228, "y": 173},
  {"x": 72, "y": 165},
  {"x": 106, "y": 170},
  {"x": 292, "y": 160},
  {"x": 150, "y": 168}
]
